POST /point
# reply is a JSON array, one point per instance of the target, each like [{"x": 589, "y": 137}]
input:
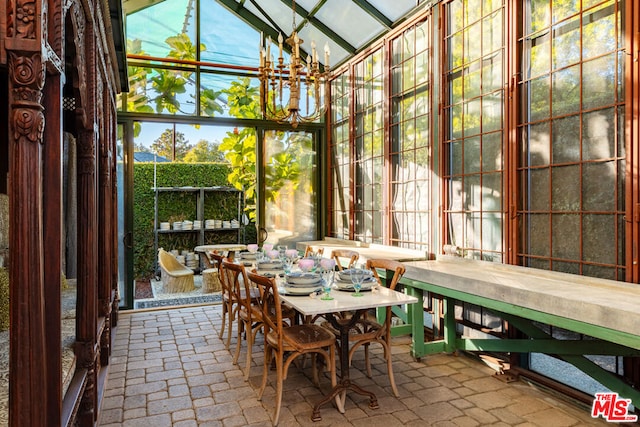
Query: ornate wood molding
[{"x": 27, "y": 80}]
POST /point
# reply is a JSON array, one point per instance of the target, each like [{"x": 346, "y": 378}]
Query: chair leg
[
  {"x": 230, "y": 320},
  {"x": 265, "y": 369},
  {"x": 239, "y": 342},
  {"x": 251, "y": 338},
  {"x": 366, "y": 360},
  {"x": 224, "y": 319},
  {"x": 387, "y": 352},
  {"x": 279, "y": 381},
  {"x": 314, "y": 368}
]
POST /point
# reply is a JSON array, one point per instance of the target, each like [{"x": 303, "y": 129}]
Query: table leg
[{"x": 344, "y": 325}]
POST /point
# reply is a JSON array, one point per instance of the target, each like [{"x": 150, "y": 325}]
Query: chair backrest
[
  {"x": 238, "y": 283},
  {"x": 311, "y": 249},
  {"x": 217, "y": 263},
  {"x": 168, "y": 262},
  {"x": 389, "y": 265},
  {"x": 338, "y": 254},
  {"x": 269, "y": 302},
  {"x": 398, "y": 271}
]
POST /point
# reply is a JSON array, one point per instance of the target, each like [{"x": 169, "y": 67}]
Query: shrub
[{"x": 4, "y": 299}]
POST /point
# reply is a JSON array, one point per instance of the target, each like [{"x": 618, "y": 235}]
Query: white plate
[
  {"x": 300, "y": 290},
  {"x": 303, "y": 278},
  {"x": 343, "y": 286},
  {"x": 269, "y": 266},
  {"x": 369, "y": 279},
  {"x": 346, "y": 274}
]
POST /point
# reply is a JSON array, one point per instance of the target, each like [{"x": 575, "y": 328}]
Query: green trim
[
  {"x": 607, "y": 342},
  {"x": 375, "y": 13},
  {"x": 595, "y": 331},
  {"x": 547, "y": 346}
]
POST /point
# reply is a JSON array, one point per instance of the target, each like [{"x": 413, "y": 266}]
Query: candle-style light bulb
[
  {"x": 326, "y": 54},
  {"x": 280, "y": 40},
  {"x": 314, "y": 52},
  {"x": 268, "y": 46}
]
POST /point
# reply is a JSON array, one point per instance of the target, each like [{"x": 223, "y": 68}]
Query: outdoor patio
[{"x": 169, "y": 368}]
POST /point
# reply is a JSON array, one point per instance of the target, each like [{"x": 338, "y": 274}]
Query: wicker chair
[
  {"x": 286, "y": 343},
  {"x": 367, "y": 331},
  {"x": 175, "y": 276},
  {"x": 249, "y": 314},
  {"x": 340, "y": 254}
]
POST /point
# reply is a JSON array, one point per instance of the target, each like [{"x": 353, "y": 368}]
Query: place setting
[
  {"x": 301, "y": 283},
  {"x": 355, "y": 280}
]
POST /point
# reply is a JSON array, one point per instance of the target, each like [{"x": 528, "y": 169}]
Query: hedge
[{"x": 178, "y": 206}]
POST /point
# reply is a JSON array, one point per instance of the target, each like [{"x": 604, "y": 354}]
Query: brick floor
[{"x": 169, "y": 368}]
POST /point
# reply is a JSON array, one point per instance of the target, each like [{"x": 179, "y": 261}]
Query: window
[
  {"x": 381, "y": 156},
  {"x": 340, "y": 157},
  {"x": 369, "y": 149},
  {"x": 410, "y": 137},
  {"x": 474, "y": 124},
  {"x": 572, "y": 138}
]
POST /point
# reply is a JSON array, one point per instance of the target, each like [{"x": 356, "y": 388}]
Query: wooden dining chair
[
  {"x": 284, "y": 343},
  {"x": 344, "y": 254},
  {"x": 228, "y": 304},
  {"x": 368, "y": 331},
  {"x": 313, "y": 249},
  {"x": 249, "y": 314}
]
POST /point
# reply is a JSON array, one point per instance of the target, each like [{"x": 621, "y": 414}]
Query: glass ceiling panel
[
  {"x": 310, "y": 33},
  {"x": 339, "y": 22},
  {"x": 227, "y": 38},
  {"x": 395, "y": 9},
  {"x": 350, "y": 21},
  {"x": 153, "y": 25},
  {"x": 278, "y": 12}
]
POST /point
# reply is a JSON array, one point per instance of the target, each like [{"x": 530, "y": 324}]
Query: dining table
[
  {"x": 206, "y": 250},
  {"x": 312, "y": 305}
]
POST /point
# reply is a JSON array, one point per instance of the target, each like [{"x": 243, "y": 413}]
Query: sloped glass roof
[{"x": 346, "y": 26}]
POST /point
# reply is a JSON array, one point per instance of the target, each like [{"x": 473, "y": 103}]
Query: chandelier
[{"x": 302, "y": 79}]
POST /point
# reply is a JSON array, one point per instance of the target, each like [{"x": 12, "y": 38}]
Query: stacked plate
[
  {"x": 248, "y": 255},
  {"x": 343, "y": 280},
  {"x": 270, "y": 265},
  {"x": 197, "y": 224},
  {"x": 177, "y": 225},
  {"x": 165, "y": 226},
  {"x": 187, "y": 225},
  {"x": 302, "y": 283},
  {"x": 235, "y": 223},
  {"x": 192, "y": 260},
  {"x": 226, "y": 224}
]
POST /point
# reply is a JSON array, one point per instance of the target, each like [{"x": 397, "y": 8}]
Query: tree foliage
[
  {"x": 165, "y": 145},
  {"x": 205, "y": 151},
  {"x": 155, "y": 89}
]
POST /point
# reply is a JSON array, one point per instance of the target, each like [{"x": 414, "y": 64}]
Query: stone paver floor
[{"x": 169, "y": 368}]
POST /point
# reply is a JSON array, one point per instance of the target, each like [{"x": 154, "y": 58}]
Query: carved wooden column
[
  {"x": 105, "y": 219},
  {"x": 87, "y": 310},
  {"x": 52, "y": 228},
  {"x": 27, "y": 367},
  {"x": 52, "y": 215},
  {"x": 116, "y": 214}
]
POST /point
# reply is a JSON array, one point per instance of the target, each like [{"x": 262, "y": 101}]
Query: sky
[{"x": 154, "y": 24}]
